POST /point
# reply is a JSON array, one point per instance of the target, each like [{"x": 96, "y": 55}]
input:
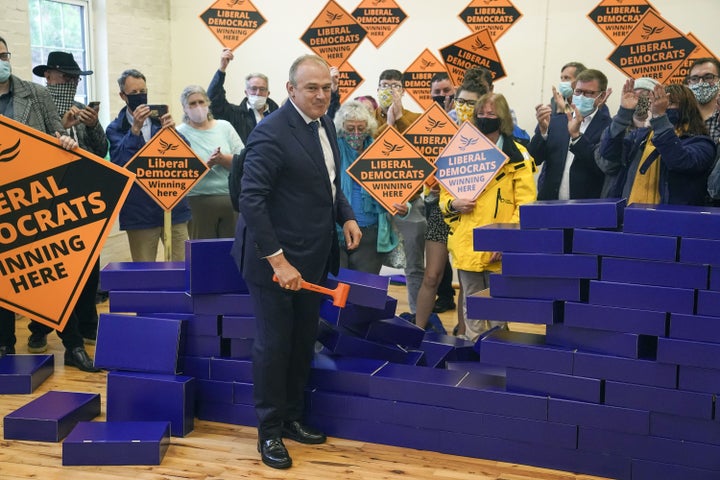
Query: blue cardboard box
[
  {"x": 673, "y": 220},
  {"x": 509, "y": 237},
  {"x": 688, "y": 352},
  {"x": 643, "y": 297},
  {"x": 482, "y": 306},
  {"x": 628, "y": 370},
  {"x": 143, "y": 344},
  {"x": 581, "y": 213},
  {"x": 620, "y": 344},
  {"x": 366, "y": 289},
  {"x": 210, "y": 268},
  {"x": 587, "y": 414},
  {"x": 169, "y": 276},
  {"x": 647, "y": 272},
  {"x": 547, "y": 288},
  {"x": 656, "y": 399},
  {"x": 554, "y": 385},
  {"x": 615, "y": 319},
  {"x": 525, "y": 350},
  {"x": 150, "y": 397},
  {"x": 148, "y": 301},
  {"x": 51, "y": 416},
  {"x": 700, "y": 250},
  {"x": 569, "y": 265},
  {"x": 343, "y": 374},
  {"x": 116, "y": 443},
  {"x": 24, "y": 373},
  {"x": 622, "y": 244}
]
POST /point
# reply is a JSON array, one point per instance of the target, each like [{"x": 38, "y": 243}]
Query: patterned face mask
[
  {"x": 355, "y": 140},
  {"x": 385, "y": 97},
  {"x": 464, "y": 112},
  {"x": 63, "y": 95},
  {"x": 705, "y": 92},
  {"x": 642, "y": 107}
]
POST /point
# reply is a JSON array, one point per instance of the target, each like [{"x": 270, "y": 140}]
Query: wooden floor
[{"x": 215, "y": 451}]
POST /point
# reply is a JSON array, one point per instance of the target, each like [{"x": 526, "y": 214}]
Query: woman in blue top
[
  {"x": 214, "y": 142},
  {"x": 356, "y": 127}
]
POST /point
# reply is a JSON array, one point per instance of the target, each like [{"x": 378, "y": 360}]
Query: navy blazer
[
  {"x": 586, "y": 179},
  {"x": 286, "y": 200}
]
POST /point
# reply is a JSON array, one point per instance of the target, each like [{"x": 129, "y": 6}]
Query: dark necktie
[{"x": 315, "y": 127}]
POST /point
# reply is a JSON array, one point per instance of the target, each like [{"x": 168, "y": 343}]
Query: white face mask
[
  {"x": 257, "y": 102},
  {"x": 197, "y": 114}
]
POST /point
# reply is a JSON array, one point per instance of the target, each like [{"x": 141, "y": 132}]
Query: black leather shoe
[
  {"x": 302, "y": 433},
  {"x": 78, "y": 357},
  {"x": 274, "y": 454},
  {"x": 6, "y": 350}
]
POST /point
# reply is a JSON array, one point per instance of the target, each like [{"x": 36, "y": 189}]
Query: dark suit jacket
[
  {"x": 586, "y": 179},
  {"x": 286, "y": 200}
]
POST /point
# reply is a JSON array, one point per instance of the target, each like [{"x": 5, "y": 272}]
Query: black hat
[{"x": 61, "y": 61}]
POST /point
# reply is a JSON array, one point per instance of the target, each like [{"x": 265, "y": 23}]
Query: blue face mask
[
  {"x": 5, "y": 71},
  {"x": 565, "y": 89},
  {"x": 135, "y": 100},
  {"x": 584, "y": 104}
]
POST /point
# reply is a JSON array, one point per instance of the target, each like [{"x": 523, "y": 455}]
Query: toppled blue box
[
  {"x": 116, "y": 443},
  {"x": 414, "y": 384},
  {"x": 210, "y": 268},
  {"x": 365, "y": 288},
  {"x": 647, "y": 272},
  {"x": 482, "y": 306},
  {"x": 51, "y": 417},
  {"x": 509, "y": 237},
  {"x": 343, "y": 374},
  {"x": 581, "y": 213},
  {"x": 547, "y": 288},
  {"x": 525, "y": 350},
  {"x": 615, "y": 319},
  {"x": 673, "y": 220},
  {"x": 644, "y": 297},
  {"x": 155, "y": 343},
  {"x": 342, "y": 343},
  {"x": 24, "y": 373},
  {"x": 462, "y": 349},
  {"x": 150, "y": 397},
  {"x": 169, "y": 276},
  {"x": 148, "y": 301},
  {"x": 550, "y": 265},
  {"x": 395, "y": 330},
  {"x": 623, "y": 244}
]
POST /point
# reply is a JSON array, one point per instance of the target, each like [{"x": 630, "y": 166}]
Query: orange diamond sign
[
  {"x": 380, "y": 18},
  {"x": 57, "y": 208},
  {"x": 334, "y": 34},
  {"x": 701, "y": 51},
  {"x": 615, "y": 18},
  {"x": 166, "y": 168},
  {"x": 654, "y": 49},
  {"x": 232, "y": 21},
  {"x": 495, "y": 15},
  {"x": 468, "y": 163},
  {"x": 417, "y": 77},
  {"x": 349, "y": 81},
  {"x": 476, "y": 50},
  {"x": 431, "y": 132},
  {"x": 391, "y": 169}
]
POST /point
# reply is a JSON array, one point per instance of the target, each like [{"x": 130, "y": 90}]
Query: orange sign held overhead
[
  {"x": 390, "y": 169},
  {"x": 701, "y": 51},
  {"x": 468, "y": 163},
  {"x": 431, "y": 132},
  {"x": 334, "y": 34},
  {"x": 380, "y": 18},
  {"x": 495, "y": 15},
  {"x": 348, "y": 82},
  {"x": 166, "y": 168},
  {"x": 232, "y": 21},
  {"x": 476, "y": 50},
  {"x": 57, "y": 207},
  {"x": 417, "y": 77},
  {"x": 615, "y": 18},
  {"x": 654, "y": 49}
]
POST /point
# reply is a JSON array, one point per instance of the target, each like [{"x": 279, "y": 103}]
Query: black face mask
[
  {"x": 440, "y": 99},
  {"x": 487, "y": 125},
  {"x": 135, "y": 100}
]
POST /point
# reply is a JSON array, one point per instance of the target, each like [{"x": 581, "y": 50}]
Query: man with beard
[{"x": 62, "y": 74}]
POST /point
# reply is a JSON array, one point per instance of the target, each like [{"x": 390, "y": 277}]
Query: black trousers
[
  {"x": 287, "y": 324},
  {"x": 7, "y": 328}
]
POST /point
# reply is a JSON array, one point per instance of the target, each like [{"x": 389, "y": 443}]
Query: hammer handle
[{"x": 311, "y": 286}]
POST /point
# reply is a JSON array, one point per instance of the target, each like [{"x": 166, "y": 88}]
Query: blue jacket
[
  {"x": 140, "y": 211},
  {"x": 685, "y": 161}
]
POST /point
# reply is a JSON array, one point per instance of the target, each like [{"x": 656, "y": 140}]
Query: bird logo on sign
[
  {"x": 391, "y": 147},
  {"x": 479, "y": 45},
  {"x": 165, "y": 147},
  {"x": 466, "y": 142},
  {"x": 10, "y": 153},
  {"x": 332, "y": 17},
  {"x": 433, "y": 124},
  {"x": 649, "y": 30}
]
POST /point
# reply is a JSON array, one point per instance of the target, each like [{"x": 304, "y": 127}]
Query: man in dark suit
[
  {"x": 290, "y": 203},
  {"x": 564, "y": 143}
]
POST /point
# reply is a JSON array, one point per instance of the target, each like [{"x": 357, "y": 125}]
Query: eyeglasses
[
  {"x": 5, "y": 56},
  {"x": 707, "y": 78},
  {"x": 587, "y": 93},
  {"x": 394, "y": 86},
  {"x": 255, "y": 90},
  {"x": 462, "y": 101}
]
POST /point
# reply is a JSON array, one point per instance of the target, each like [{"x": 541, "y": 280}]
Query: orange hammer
[{"x": 339, "y": 294}]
